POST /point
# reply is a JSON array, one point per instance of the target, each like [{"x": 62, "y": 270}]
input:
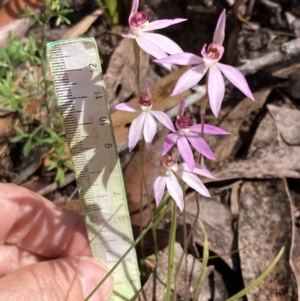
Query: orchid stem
[
  {"x": 136, "y": 52},
  {"x": 171, "y": 252},
  {"x": 188, "y": 239},
  {"x": 144, "y": 183}
]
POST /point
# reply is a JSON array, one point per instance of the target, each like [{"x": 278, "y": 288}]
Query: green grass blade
[{"x": 259, "y": 279}]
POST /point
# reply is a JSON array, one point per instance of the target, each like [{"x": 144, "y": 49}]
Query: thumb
[{"x": 62, "y": 279}]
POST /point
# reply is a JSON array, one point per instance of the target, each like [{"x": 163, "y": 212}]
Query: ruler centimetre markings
[{"x": 80, "y": 91}]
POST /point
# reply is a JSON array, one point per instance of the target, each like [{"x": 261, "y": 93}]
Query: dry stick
[
  {"x": 285, "y": 52},
  {"x": 70, "y": 177}
]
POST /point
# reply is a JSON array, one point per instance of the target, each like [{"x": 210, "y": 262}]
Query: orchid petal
[
  {"x": 125, "y": 107},
  {"x": 170, "y": 140},
  {"x": 158, "y": 24},
  {"x": 200, "y": 145},
  {"x": 219, "y": 34},
  {"x": 208, "y": 129},
  {"x": 159, "y": 188},
  {"x": 164, "y": 119},
  {"x": 237, "y": 78},
  {"x": 193, "y": 181},
  {"x": 149, "y": 129},
  {"x": 216, "y": 89},
  {"x": 175, "y": 190},
  {"x": 164, "y": 43},
  {"x": 181, "y": 108},
  {"x": 186, "y": 152},
  {"x": 152, "y": 49},
  {"x": 182, "y": 59},
  {"x": 189, "y": 79},
  {"x": 135, "y": 131},
  {"x": 134, "y": 8},
  {"x": 199, "y": 169},
  {"x": 129, "y": 35}
]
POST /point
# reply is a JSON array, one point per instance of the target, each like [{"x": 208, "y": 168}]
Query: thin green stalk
[
  {"x": 144, "y": 181},
  {"x": 188, "y": 239},
  {"x": 141, "y": 204},
  {"x": 204, "y": 262},
  {"x": 43, "y": 66},
  {"x": 171, "y": 252},
  {"x": 163, "y": 209},
  {"x": 136, "y": 52}
]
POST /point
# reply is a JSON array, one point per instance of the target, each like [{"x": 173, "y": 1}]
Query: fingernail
[{"x": 91, "y": 272}]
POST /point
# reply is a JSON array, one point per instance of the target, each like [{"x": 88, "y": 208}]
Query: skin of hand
[
  {"x": 13, "y": 9},
  {"x": 45, "y": 252}
]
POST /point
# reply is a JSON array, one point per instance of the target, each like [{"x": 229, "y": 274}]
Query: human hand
[{"x": 44, "y": 251}]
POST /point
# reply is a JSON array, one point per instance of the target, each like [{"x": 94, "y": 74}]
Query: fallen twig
[{"x": 70, "y": 177}]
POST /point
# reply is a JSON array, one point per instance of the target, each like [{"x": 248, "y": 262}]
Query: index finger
[{"x": 33, "y": 223}]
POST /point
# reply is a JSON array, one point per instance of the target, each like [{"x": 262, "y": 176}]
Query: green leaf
[
  {"x": 21, "y": 132},
  {"x": 60, "y": 176},
  {"x": 68, "y": 164},
  {"x": 27, "y": 147},
  {"x": 60, "y": 150},
  {"x": 16, "y": 139},
  {"x": 51, "y": 166}
]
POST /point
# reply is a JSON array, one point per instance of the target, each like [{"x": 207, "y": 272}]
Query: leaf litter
[{"x": 247, "y": 223}]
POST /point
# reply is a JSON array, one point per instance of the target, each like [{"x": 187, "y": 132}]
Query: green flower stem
[
  {"x": 204, "y": 262},
  {"x": 144, "y": 183},
  {"x": 162, "y": 210},
  {"x": 188, "y": 239},
  {"x": 136, "y": 52},
  {"x": 171, "y": 252}
]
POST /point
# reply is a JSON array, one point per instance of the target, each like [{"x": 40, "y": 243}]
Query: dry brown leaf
[
  {"x": 265, "y": 226},
  {"x": 227, "y": 146},
  {"x": 217, "y": 220},
  {"x": 32, "y": 108},
  {"x": 265, "y": 135},
  {"x": 81, "y": 27},
  {"x": 288, "y": 123},
  {"x": 7, "y": 124},
  {"x": 120, "y": 76},
  {"x": 294, "y": 197},
  {"x": 268, "y": 162}
]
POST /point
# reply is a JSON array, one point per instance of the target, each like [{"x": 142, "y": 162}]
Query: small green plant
[
  {"x": 113, "y": 9},
  {"x": 24, "y": 77}
]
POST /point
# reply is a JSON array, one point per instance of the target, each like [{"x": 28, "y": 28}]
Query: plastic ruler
[{"x": 81, "y": 95}]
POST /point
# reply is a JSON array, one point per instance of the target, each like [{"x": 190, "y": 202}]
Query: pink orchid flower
[
  {"x": 145, "y": 122},
  {"x": 209, "y": 63},
  {"x": 155, "y": 44},
  {"x": 182, "y": 171},
  {"x": 188, "y": 133}
]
